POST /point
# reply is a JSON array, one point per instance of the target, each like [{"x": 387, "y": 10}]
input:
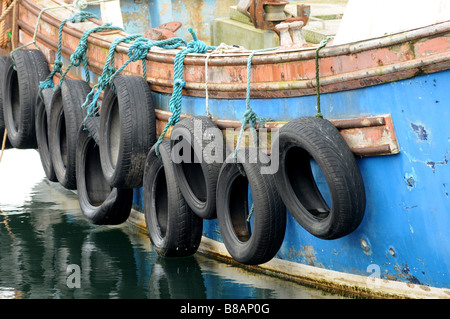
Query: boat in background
[{"x": 385, "y": 96}]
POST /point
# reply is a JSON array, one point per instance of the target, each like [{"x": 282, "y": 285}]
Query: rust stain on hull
[{"x": 274, "y": 74}]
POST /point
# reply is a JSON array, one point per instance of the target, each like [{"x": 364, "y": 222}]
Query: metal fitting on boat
[
  {"x": 285, "y": 37},
  {"x": 286, "y": 41},
  {"x": 297, "y": 35}
]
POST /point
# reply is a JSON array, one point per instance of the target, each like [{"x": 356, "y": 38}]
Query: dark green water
[{"x": 48, "y": 250}]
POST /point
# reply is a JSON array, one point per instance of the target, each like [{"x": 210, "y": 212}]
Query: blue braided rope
[
  {"x": 91, "y": 102},
  {"x": 79, "y": 56},
  {"x": 74, "y": 18},
  {"x": 194, "y": 46},
  {"x": 137, "y": 51},
  {"x": 249, "y": 118}
]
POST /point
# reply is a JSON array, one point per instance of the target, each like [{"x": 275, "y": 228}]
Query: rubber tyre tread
[
  {"x": 66, "y": 102},
  {"x": 323, "y": 142},
  {"x": 2, "y": 121},
  {"x": 137, "y": 131},
  {"x": 210, "y": 168},
  {"x": 269, "y": 215},
  {"x": 183, "y": 228},
  {"x": 30, "y": 67},
  {"x": 42, "y": 135},
  {"x": 114, "y": 205}
]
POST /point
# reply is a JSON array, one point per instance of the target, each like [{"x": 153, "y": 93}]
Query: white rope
[{"x": 221, "y": 49}]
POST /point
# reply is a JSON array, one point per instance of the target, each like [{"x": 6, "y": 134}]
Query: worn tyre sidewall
[
  {"x": 115, "y": 207},
  {"x": 20, "y": 89},
  {"x": 66, "y": 108},
  {"x": 2, "y": 84},
  {"x": 42, "y": 121},
  {"x": 183, "y": 229},
  {"x": 209, "y": 168},
  {"x": 136, "y": 130},
  {"x": 269, "y": 209},
  {"x": 347, "y": 198}
]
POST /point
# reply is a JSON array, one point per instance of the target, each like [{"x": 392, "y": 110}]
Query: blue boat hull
[{"x": 404, "y": 235}]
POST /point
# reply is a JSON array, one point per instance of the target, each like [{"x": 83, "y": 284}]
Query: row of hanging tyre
[{"x": 107, "y": 156}]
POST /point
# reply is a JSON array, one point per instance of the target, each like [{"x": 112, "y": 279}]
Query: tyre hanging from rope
[
  {"x": 251, "y": 235},
  {"x": 100, "y": 204},
  {"x": 302, "y": 143},
  {"x": 198, "y": 149},
  {"x": 127, "y": 131},
  {"x": 24, "y": 70},
  {"x": 42, "y": 131},
  {"x": 66, "y": 116},
  {"x": 174, "y": 229}
]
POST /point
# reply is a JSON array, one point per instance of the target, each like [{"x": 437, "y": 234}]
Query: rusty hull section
[
  {"x": 285, "y": 73},
  {"x": 274, "y": 74}
]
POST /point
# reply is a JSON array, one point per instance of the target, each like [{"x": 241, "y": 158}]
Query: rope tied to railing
[
  {"x": 249, "y": 117},
  {"x": 194, "y": 46},
  {"x": 137, "y": 51},
  {"x": 75, "y": 17},
  {"x": 91, "y": 102},
  {"x": 79, "y": 56},
  {"x": 322, "y": 44}
]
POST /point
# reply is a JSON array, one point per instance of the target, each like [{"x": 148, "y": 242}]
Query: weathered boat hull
[
  {"x": 389, "y": 99},
  {"x": 404, "y": 233}
]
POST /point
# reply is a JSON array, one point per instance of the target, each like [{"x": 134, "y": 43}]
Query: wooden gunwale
[{"x": 227, "y": 73}]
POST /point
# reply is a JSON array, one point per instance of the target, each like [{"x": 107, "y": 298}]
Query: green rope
[
  {"x": 249, "y": 118},
  {"x": 137, "y": 51},
  {"x": 322, "y": 44},
  {"x": 194, "y": 46},
  {"x": 91, "y": 102},
  {"x": 74, "y": 18},
  {"x": 79, "y": 56}
]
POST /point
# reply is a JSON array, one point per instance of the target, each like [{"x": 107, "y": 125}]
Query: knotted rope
[
  {"x": 322, "y": 44},
  {"x": 57, "y": 68},
  {"x": 79, "y": 56},
  {"x": 91, "y": 102},
  {"x": 194, "y": 46},
  {"x": 137, "y": 51}
]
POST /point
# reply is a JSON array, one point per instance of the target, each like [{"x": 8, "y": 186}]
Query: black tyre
[
  {"x": 174, "y": 229},
  {"x": 2, "y": 121},
  {"x": 100, "y": 204},
  {"x": 256, "y": 239},
  {"x": 66, "y": 116},
  {"x": 198, "y": 152},
  {"x": 309, "y": 138},
  {"x": 42, "y": 120},
  {"x": 127, "y": 131},
  {"x": 20, "y": 94}
]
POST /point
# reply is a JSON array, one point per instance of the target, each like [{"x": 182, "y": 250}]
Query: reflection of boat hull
[{"x": 368, "y": 88}]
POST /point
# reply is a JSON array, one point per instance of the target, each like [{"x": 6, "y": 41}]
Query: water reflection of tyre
[
  {"x": 176, "y": 278},
  {"x": 112, "y": 266}
]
